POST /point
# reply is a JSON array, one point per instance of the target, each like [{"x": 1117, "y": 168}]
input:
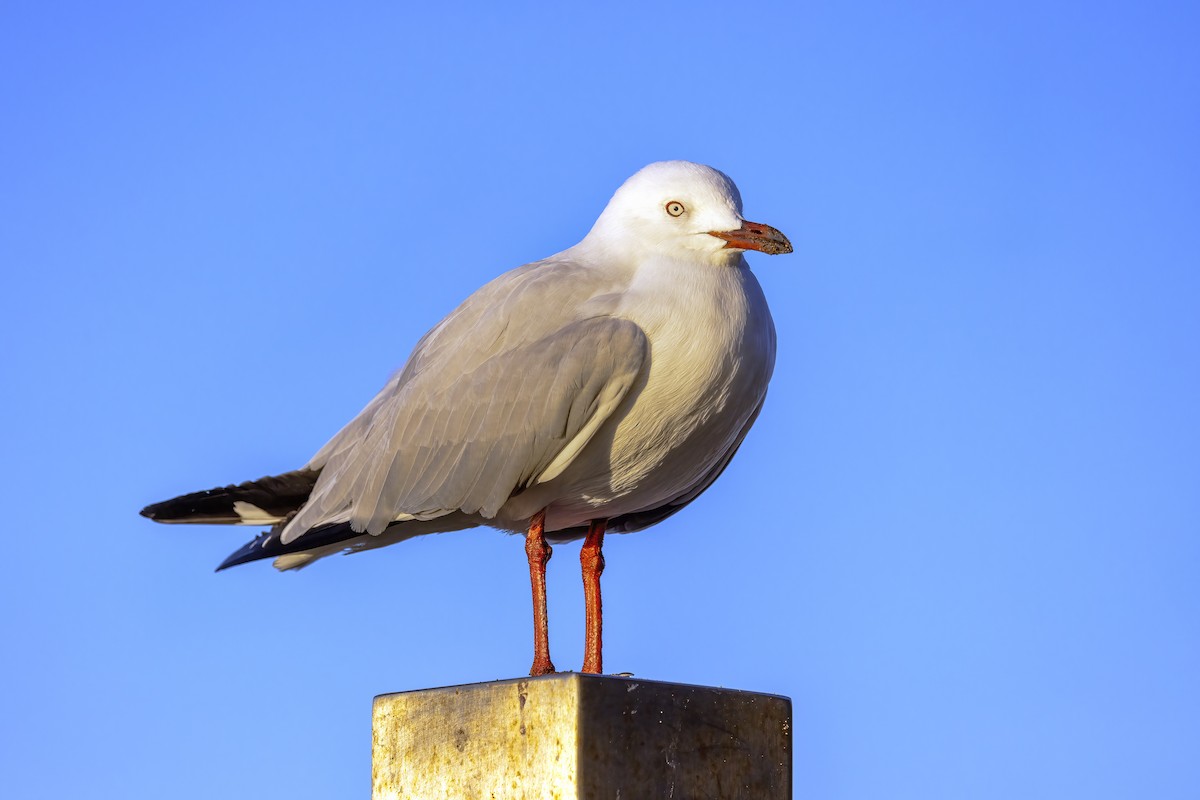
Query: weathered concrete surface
[{"x": 569, "y": 735}]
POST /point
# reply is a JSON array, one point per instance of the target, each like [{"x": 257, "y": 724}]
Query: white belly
[{"x": 712, "y": 350}]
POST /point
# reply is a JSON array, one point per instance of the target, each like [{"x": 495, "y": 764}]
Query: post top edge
[{"x": 579, "y": 677}]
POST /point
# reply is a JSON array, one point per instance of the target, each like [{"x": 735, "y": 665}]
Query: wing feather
[{"x": 464, "y": 428}]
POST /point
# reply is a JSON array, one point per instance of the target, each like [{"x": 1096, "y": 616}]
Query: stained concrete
[{"x": 570, "y": 735}]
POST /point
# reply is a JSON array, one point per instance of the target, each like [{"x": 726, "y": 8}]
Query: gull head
[{"x": 678, "y": 209}]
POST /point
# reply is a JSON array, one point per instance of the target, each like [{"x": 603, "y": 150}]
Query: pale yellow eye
[{"x": 675, "y": 208}]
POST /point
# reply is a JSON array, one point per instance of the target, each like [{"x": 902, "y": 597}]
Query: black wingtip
[
  {"x": 154, "y": 511},
  {"x": 276, "y": 495},
  {"x": 250, "y": 551},
  {"x": 268, "y": 545}
]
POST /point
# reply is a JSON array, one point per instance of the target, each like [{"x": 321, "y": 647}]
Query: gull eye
[{"x": 675, "y": 208}]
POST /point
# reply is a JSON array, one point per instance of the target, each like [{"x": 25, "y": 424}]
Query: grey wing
[
  {"x": 515, "y": 309},
  {"x": 441, "y": 439}
]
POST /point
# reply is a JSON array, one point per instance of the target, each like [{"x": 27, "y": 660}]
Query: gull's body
[
  {"x": 610, "y": 383},
  {"x": 684, "y": 381}
]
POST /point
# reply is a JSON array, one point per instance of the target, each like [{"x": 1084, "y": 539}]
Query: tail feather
[{"x": 265, "y": 501}]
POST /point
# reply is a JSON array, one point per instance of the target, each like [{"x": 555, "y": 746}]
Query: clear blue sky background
[{"x": 964, "y": 536}]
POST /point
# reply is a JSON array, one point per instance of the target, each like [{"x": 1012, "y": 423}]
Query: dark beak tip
[{"x": 775, "y": 246}]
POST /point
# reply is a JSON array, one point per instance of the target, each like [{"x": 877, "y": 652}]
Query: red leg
[
  {"x": 592, "y": 561},
  {"x": 539, "y": 553}
]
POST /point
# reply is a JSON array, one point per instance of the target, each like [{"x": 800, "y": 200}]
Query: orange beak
[{"x": 755, "y": 236}]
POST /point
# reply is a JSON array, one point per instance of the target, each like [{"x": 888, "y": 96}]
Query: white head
[{"x": 678, "y": 209}]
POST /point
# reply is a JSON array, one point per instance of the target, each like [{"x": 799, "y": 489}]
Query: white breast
[{"x": 712, "y": 350}]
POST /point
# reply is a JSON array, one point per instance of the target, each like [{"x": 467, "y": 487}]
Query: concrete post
[{"x": 570, "y": 735}]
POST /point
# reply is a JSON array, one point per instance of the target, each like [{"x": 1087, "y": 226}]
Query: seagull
[{"x": 599, "y": 390}]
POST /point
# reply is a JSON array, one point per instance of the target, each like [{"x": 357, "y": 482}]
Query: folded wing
[{"x": 465, "y": 430}]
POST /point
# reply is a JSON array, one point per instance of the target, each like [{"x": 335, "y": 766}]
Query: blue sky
[{"x": 963, "y": 537}]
